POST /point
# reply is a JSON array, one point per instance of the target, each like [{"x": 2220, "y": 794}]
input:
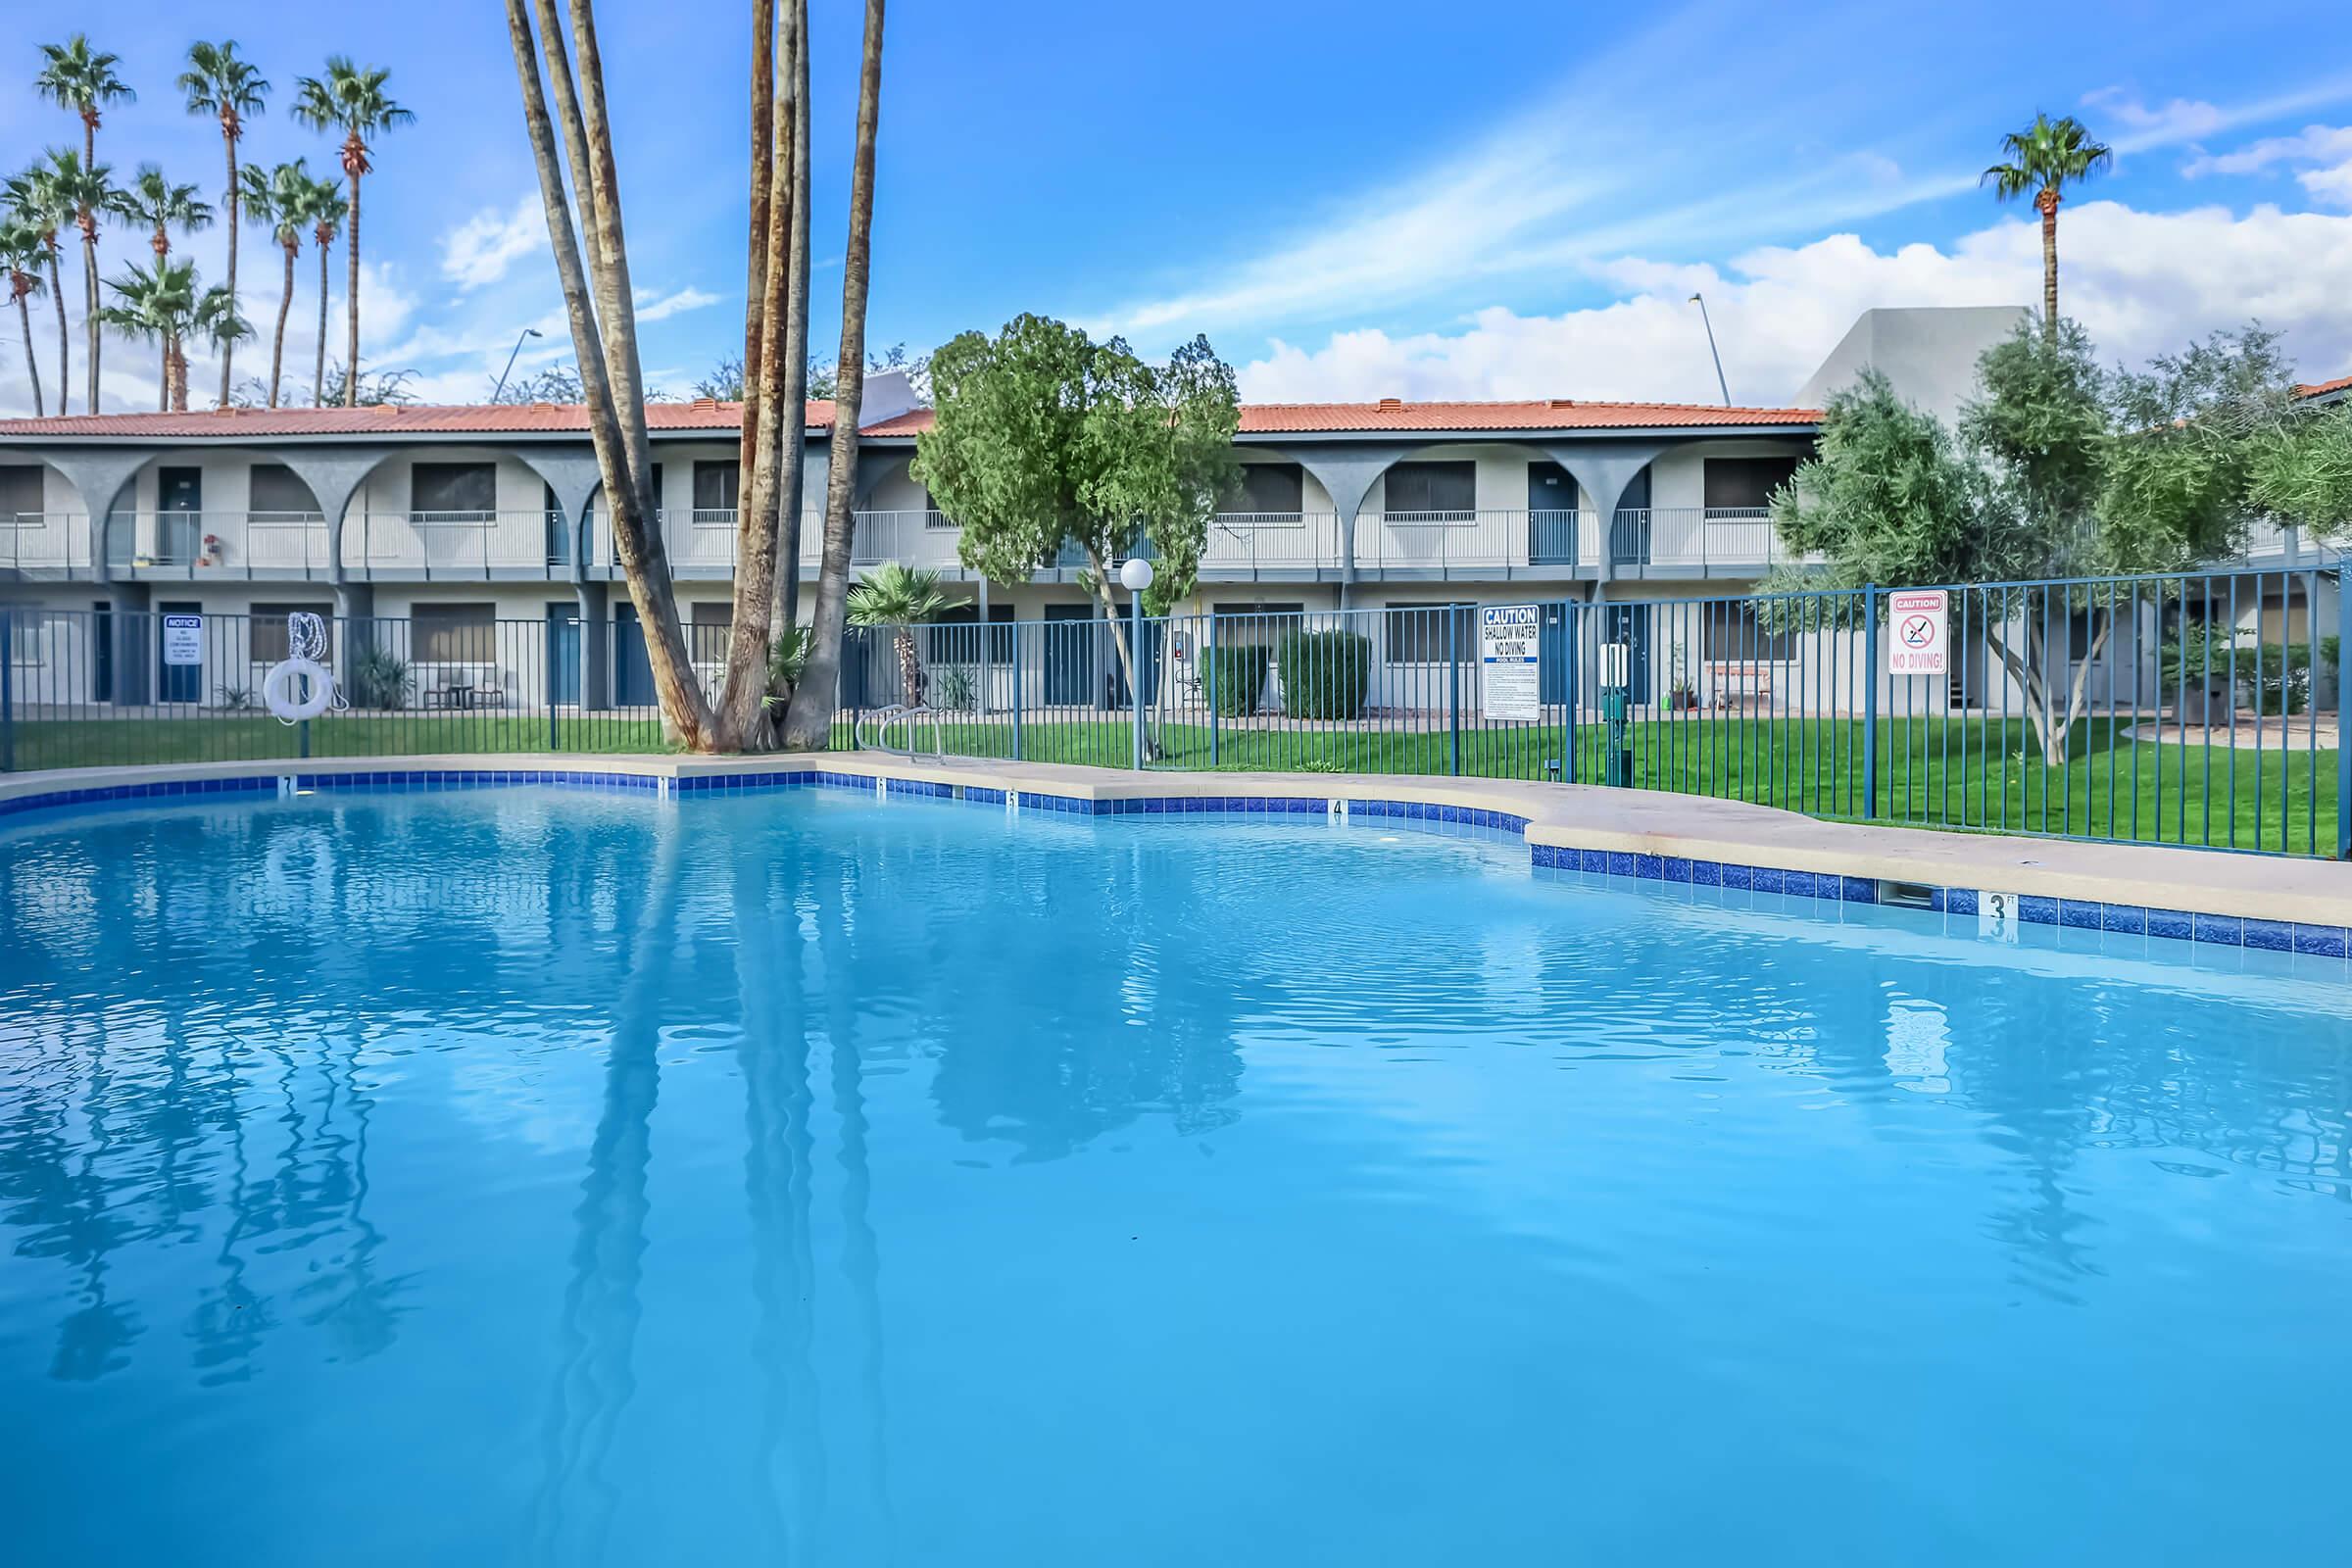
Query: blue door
[
  {"x": 632, "y": 668},
  {"x": 1555, "y": 656},
  {"x": 1071, "y": 635},
  {"x": 179, "y": 516},
  {"x": 563, "y": 652},
  {"x": 1629, "y": 530},
  {"x": 1550, "y": 516},
  {"x": 1630, "y": 624}
]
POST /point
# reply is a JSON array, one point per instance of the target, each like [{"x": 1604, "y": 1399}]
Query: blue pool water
[{"x": 513, "y": 1176}]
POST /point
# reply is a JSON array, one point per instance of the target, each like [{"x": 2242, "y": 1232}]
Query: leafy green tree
[
  {"x": 2044, "y": 158},
  {"x": 218, "y": 83},
  {"x": 350, "y": 98},
  {"x": 21, "y": 252},
  {"x": 902, "y": 598},
  {"x": 2302, "y": 473},
  {"x": 76, "y": 78},
  {"x": 1042, "y": 439}
]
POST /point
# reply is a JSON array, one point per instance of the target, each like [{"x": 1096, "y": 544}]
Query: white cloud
[
  {"x": 486, "y": 245},
  {"x": 2328, "y": 147},
  {"x": 2175, "y": 121},
  {"x": 2141, "y": 282},
  {"x": 658, "y": 308}
]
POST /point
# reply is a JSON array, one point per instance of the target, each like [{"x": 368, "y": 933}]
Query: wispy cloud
[
  {"x": 658, "y": 308},
  {"x": 2324, "y": 153},
  {"x": 482, "y": 249}
]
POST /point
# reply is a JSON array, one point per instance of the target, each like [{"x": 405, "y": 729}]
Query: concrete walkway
[{"x": 2259, "y": 887}]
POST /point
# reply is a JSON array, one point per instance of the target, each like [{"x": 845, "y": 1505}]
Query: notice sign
[
  {"x": 1917, "y": 633},
  {"x": 1510, "y": 650},
  {"x": 183, "y": 639}
]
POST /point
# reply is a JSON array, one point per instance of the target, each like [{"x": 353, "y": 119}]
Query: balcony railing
[
  {"x": 1702, "y": 538},
  {"x": 1271, "y": 541},
  {"x": 457, "y": 544},
  {"x": 44, "y": 544},
  {"x": 210, "y": 546}
]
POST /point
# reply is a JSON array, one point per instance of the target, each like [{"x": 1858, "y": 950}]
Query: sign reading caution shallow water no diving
[{"x": 1509, "y": 653}]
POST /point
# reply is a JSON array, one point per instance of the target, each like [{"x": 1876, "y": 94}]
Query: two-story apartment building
[{"x": 456, "y": 518}]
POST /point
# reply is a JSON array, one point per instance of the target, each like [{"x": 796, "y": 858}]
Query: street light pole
[
  {"x": 532, "y": 331},
  {"x": 1701, "y": 300}
]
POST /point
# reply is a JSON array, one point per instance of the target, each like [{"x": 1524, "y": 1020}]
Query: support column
[
  {"x": 596, "y": 647},
  {"x": 355, "y": 611},
  {"x": 133, "y": 642}
]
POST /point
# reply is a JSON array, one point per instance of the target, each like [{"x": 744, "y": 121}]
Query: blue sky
[{"x": 1352, "y": 200}]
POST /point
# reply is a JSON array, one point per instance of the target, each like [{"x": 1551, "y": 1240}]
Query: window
[
  {"x": 279, "y": 493},
  {"x": 1440, "y": 492},
  {"x": 268, "y": 630},
  {"x": 1731, "y": 635},
  {"x": 1422, "y": 633},
  {"x": 454, "y": 492},
  {"x": 954, "y": 646},
  {"x": 1275, "y": 490},
  {"x": 1258, "y": 624},
  {"x": 20, "y": 492},
  {"x": 708, "y": 627},
  {"x": 1745, "y": 484},
  {"x": 454, "y": 634},
  {"x": 714, "y": 491}
]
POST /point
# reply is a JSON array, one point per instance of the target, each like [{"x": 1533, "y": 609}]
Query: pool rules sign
[
  {"x": 1510, "y": 650},
  {"x": 1917, "y": 627}
]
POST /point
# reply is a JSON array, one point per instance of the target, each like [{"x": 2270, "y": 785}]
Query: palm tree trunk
[
  {"x": 808, "y": 726},
  {"x": 319, "y": 373},
  {"x": 2048, "y": 203},
  {"x": 32, "y": 364},
  {"x": 794, "y": 439},
  {"x": 163, "y": 396},
  {"x": 65, "y": 353},
  {"x": 229, "y": 345},
  {"x": 616, "y": 405},
  {"x": 351, "y": 304},
  {"x": 89, "y": 307},
  {"x": 743, "y": 696},
  {"x": 277, "y": 348}
]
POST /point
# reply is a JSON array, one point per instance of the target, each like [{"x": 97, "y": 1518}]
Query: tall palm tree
[
  {"x": 326, "y": 206},
  {"x": 34, "y": 198},
  {"x": 279, "y": 200},
  {"x": 2044, "y": 158},
  {"x": 350, "y": 99},
  {"x": 218, "y": 83},
  {"x": 809, "y": 721},
  {"x": 86, "y": 190},
  {"x": 902, "y": 598},
  {"x": 216, "y": 322},
  {"x": 154, "y": 305},
  {"x": 152, "y": 200},
  {"x": 20, "y": 254},
  {"x": 76, "y": 78}
]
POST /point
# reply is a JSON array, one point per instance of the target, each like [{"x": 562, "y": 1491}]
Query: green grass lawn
[{"x": 1971, "y": 773}]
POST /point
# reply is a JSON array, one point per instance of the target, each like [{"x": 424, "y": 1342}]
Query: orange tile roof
[
  {"x": 498, "y": 419},
  {"x": 2319, "y": 389},
  {"x": 1395, "y": 414},
  {"x": 1257, "y": 419}
]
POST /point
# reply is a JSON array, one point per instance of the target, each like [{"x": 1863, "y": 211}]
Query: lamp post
[
  {"x": 528, "y": 331},
  {"x": 1701, "y": 300},
  {"x": 1136, "y": 574}
]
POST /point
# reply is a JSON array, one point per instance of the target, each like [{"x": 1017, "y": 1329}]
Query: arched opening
[{"x": 44, "y": 523}]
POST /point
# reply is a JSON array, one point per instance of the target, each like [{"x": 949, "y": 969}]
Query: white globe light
[{"x": 1136, "y": 574}]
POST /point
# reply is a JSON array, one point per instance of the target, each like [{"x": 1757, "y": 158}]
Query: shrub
[
  {"x": 1236, "y": 675},
  {"x": 2272, "y": 678},
  {"x": 1325, "y": 674},
  {"x": 953, "y": 689},
  {"x": 380, "y": 678}
]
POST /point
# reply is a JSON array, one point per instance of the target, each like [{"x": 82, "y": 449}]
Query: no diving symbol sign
[{"x": 1919, "y": 630}]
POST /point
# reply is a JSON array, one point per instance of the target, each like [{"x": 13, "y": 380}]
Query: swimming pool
[{"x": 514, "y": 1174}]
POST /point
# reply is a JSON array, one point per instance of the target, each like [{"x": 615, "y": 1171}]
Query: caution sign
[
  {"x": 1918, "y": 632},
  {"x": 1510, "y": 661}
]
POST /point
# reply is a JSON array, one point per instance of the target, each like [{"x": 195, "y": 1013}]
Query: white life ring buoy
[{"x": 278, "y": 689}]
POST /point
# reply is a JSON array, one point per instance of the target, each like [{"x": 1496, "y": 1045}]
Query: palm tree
[
  {"x": 154, "y": 305},
  {"x": 153, "y": 200},
  {"x": 2044, "y": 158},
  {"x": 216, "y": 322},
  {"x": 326, "y": 206},
  {"x": 216, "y": 83},
  {"x": 21, "y": 253},
  {"x": 809, "y": 722},
  {"x": 34, "y": 198},
  {"x": 76, "y": 78},
  {"x": 279, "y": 200},
  {"x": 86, "y": 190},
  {"x": 350, "y": 99},
  {"x": 902, "y": 598}
]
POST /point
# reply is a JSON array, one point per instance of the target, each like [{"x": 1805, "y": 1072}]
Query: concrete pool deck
[{"x": 1653, "y": 826}]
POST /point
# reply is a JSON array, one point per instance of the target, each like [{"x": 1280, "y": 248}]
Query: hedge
[
  {"x": 1237, "y": 676},
  {"x": 1325, "y": 674}
]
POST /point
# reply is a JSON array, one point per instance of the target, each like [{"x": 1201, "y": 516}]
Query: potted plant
[
  {"x": 1680, "y": 693},
  {"x": 211, "y": 551}
]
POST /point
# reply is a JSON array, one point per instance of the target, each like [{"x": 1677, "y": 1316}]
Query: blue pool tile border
[{"x": 2322, "y": 942}]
